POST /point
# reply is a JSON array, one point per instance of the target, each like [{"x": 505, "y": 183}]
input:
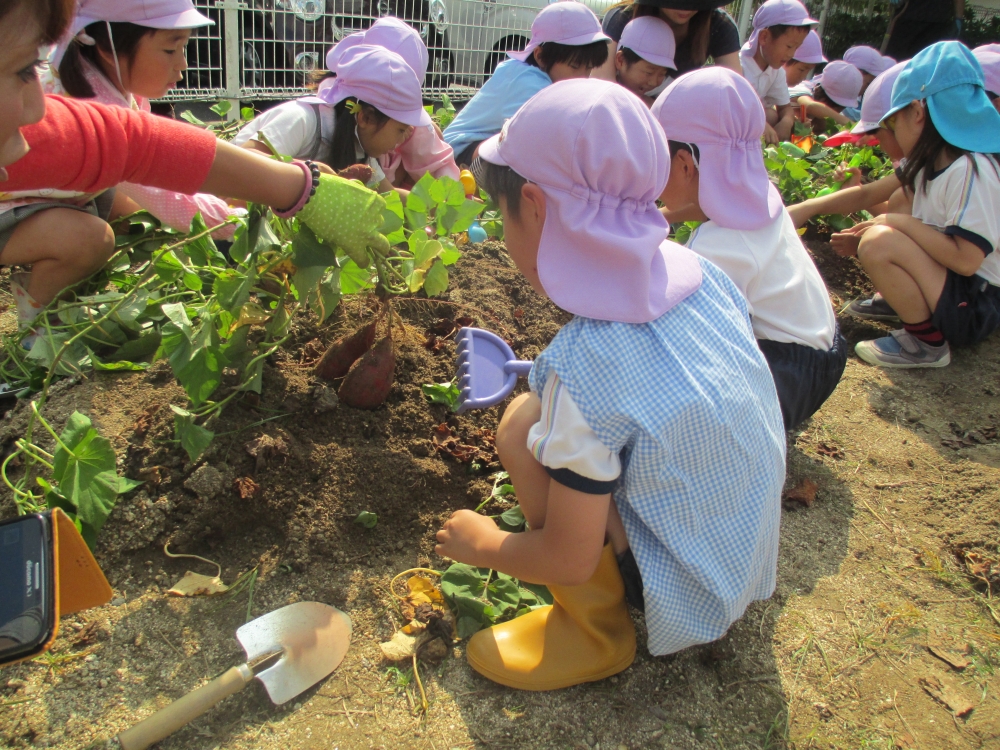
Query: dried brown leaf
[
  {"x": 196, "y": 584},
  {"x": 804, "y": 492}
]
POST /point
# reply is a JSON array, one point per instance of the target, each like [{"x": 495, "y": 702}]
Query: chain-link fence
[{"x": 268, "y": 49}]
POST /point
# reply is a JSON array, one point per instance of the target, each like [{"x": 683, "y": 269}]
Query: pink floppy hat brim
[
  {"x": 574, "y": 41},
  {"x": 188, "y": 19}
]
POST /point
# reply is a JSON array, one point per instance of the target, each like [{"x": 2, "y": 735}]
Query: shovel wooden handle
[{"x": 184, "y": 710}]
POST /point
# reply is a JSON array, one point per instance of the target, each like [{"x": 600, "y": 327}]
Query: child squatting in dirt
[
  {"x": 649, "y": 456},
  {"x": 67, "y": 145}
]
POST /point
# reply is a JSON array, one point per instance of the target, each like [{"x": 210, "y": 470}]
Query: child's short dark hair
[
  {"x": 591, "y": 55},
  {"x": 820, "y": 95},
  {"x": 52, "y": 15},
  {"x": 501, "y": 182},
  {"x": 780, "y": 29},
  {"x": 630, "y": 57},
  {"x": 691, "y": 148},
  {"x": 125, "y": 37}
]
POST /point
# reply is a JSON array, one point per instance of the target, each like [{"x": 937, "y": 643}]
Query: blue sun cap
[{"x": 949, "y": 78}]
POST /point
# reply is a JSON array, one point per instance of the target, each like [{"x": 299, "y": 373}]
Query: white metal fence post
[
  {"x": 232, "y": 49},
  {"x": 822, "y": 18},
  {"x": 744, "y": 23}
]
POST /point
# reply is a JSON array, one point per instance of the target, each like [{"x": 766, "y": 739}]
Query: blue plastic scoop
[{"x": 487, "y": 369}]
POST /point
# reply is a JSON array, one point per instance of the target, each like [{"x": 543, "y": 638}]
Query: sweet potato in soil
[
  {"x": 344, "y": 352},
  {"x": 368, "y": 383}
]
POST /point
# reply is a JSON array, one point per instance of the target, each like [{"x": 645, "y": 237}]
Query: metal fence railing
[{"x": 267, "y": 49}]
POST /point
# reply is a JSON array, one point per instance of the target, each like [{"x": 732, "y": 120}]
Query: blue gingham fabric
[{"x": 689, "y": 404}]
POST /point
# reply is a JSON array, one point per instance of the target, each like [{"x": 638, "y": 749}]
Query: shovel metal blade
[{"x": 312, "y": 637}]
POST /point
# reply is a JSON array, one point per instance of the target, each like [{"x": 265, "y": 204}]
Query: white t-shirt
[
  {"x": 567, "y": 447},
  {"x": 294, "y": 129},
  {"x": 965, "y": 202},
  {"x": 787, "y": 297},
  {"x": 770, "y": 84}
]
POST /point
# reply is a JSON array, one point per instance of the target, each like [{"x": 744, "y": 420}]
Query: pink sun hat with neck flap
[
  {"x": 718, "y": 111},
  {"x": 380, "y": 78},
  {"x": 153, "y": 14},
  {"x": 604, "y": 252},
  {"x": 868, "y": 59},
  {"x": 652, "y": 39},
  {"x": 564, "y": 22},
  {"x": 842, "y": 82},
  {"x": 391, "y": 33},
  {"x": 777, "y": 13},
  {"x": 877, "y": 100},
  {"x": 811, "y": 50},
  {"x": 989, "y": 60}
]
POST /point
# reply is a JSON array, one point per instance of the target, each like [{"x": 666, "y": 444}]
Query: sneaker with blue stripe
[{"x": 903, "y": 350}]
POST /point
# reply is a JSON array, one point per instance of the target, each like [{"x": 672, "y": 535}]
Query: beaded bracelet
[{"x": 311, "y": 172}]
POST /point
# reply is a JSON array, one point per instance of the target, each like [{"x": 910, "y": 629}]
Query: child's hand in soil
[
  {"x": 770, "y": 135},
  {"x": 845, "y": 244},
  {"x": 464, "y": 536}
]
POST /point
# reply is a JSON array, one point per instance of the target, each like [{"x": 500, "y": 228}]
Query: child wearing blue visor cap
[{"x": 937, "y": 267}]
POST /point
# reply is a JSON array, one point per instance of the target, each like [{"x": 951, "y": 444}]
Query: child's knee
[
  {"x": 876, "y": 245},
  {"x": 93, "y": 242},
  {"x": 512, "y": 434}
]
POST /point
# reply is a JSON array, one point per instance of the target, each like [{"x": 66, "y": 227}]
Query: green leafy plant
[
  {"x": 367, "y": 519},
  {"x": 800, "y": 176},
  {"x": 83, "y": 478},
  {"x": 443, "y": 115},
  {"x": 442, "y": 393},
  {"x": 175, "y": 297},
  {"x": 222, "y": 128},
  {"x": 481, "y": 598}
]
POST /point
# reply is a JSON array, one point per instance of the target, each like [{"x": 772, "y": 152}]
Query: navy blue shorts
[
  {"x": 968, "y": 310},
  {"x": 805, "y": 377}
]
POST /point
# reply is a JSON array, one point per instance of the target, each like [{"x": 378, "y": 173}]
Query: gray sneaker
[
  {"x": 903, "y": 350},
  {"x": 875, "y": 308}
]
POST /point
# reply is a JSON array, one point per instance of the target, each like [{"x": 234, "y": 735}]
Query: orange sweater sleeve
[{"x": 87, "y": 147}]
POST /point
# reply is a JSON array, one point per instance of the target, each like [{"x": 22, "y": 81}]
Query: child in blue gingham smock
[{"x": 649, "y": 457}]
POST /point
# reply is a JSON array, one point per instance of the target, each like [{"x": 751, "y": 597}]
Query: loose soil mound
[{"x": 887, "y": 561}]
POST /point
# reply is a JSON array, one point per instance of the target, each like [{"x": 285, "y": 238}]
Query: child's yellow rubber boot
[{"x": 586, "y": 635}]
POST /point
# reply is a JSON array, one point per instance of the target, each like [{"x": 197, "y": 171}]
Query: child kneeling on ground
[
  {"x": 830, "y": 93},
  {"x": 937, "y": 268},
  {"x": 645, "y": 56},
  {"x": 566, "y": 42},
  {"x": 370, "y": 108},
  {"x": 779, "y": 29},
  {"x": 714, "y": 121},
  {"x": 807, "y": 57},
  {"x": 649, "y": 457}
]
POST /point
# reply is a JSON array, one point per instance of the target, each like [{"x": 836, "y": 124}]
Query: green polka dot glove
[{"x": 346, "y": 214}]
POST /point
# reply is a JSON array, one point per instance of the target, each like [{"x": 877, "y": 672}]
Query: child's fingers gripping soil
[
  {"x": 369, "y": 381},
  {"x": 344, "y": 352},
  {"x": 845, "y": 244}
]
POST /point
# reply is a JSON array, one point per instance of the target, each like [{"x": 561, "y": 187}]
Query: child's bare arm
[
  {"x": 818, "y": 109},
  {"x": 847, "y": 201},
  {"x": 564, "y": 552},
  {"x": 956, "y": 253},
  {"x": 786, "y": 120}
]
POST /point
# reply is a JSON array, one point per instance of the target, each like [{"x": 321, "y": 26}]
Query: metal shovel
[{"x": 311, "y": 639}]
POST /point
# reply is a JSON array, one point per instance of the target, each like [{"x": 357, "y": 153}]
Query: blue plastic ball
[{"x": 477, "y": 233}]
